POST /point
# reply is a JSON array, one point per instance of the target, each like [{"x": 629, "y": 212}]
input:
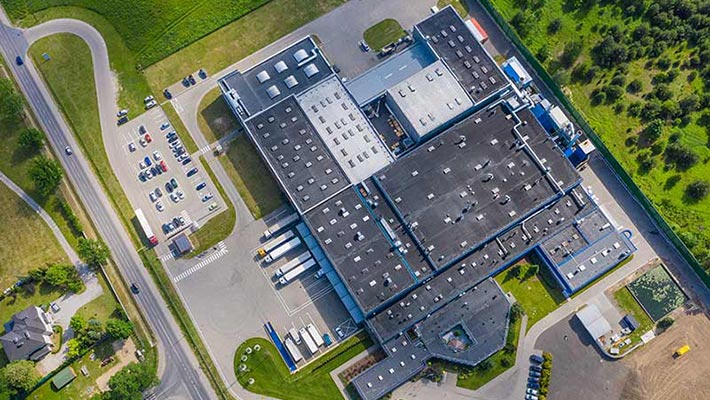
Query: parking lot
[{"x": 161, "y": 179}]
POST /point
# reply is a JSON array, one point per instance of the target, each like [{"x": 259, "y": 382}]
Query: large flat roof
[
  {"x": 398, "y": 67},
  {"x": 296, "y": 154},
  {"x": 475, "y": 179},
  {"x": 291, "y": 71},
  {"x": 485, "y": 261},
  {"x": 453, "y": 41},
  {"x": 359, "y": 251},
  {"x": 428, "y": 99},
  {"x": 344, "y": 129}
]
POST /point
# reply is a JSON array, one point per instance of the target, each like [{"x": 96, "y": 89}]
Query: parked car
[
  {"x": 141, "y": 165},
  {"x": 148, "y": 138},
  {"x": 536, "y": 359},
  {"x": 531, "y": 391},
  {"x": 174, "y": 143},
  {"x": 67, "y": 150},
  {"x": 147, "y": 161},
  {"x": 142, "y": 130},
  {"x": 159, "y": 205},
  {"x": 180, "y": 194},
  {"x": 186, "y": 161},
  {"x": 163, "y": 166},
  {"x": 148, "y": 99},
  {"x": 174, "y": 182},
  {"x": 207, "y": 197},
  {"x": 150, "y": 104},
  {"x": 202, "y": 74},
  {"x": 142, "y": 142},
  {"x": 134, "y": 288},
  {"x": 174, "y": 197},
  {"x": 55, "y": 307},
  {"x": 142, "y": 177},
  {"x": 182, "y": 157},
  {"x": 122, "y": 120},
  {"x": 212, "y": 206},
  {"x": 122, "y": 113},
  {"x": 153, "y": 198},
  {"x": 156, "y": 155},
  {"x": 148, "y": 173},
  {"x": 536, "y": 368},
  {"x": 191, "y": 172},
  {"x": 170, "y": 135},
  {"x": 131, "y": 147},
  {"x": 185, "y": 82},
  {"x": 530, "y": 397},
  {"x": 168, "y": 187},
  {"x": 167, "y": 94},
  {"x": 535, "y": 374},
  {"x": 158, "y": 192},
  {"x": 534, "y": 385},
  {"x": 165, "y": 126},
  {"x": 364, "y": 46},
  {"x": 200, "y": 186},
  {"x": 192, "y": 80}
]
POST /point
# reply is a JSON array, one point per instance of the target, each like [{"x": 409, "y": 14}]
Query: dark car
[
  {"x": 170, "y": 135},
  {"x": 535, "y": 374},
  {"x": 536, "y": 359},
  {"x": 191, "y": 172},
  {"x": 202, "y": 74},
  {"x": 176, "y": 221},
  {"x": 122, "y": 120},
  {"x": 168, "y": 187},
  {"x": 174, "y": 182},
  {"x": 185, "y": 82},
  {"x": 186, "y": 161},
  {"x": 19, "y": 60},
  {"x": 167, "y": 94},
  {"x": 535, "y": 368},
  {"x": 200, "y": 186},
  {"x": 534, "y": 385},
  {"x": 532, "y": 380},
  {"x": 134, "y": 288},
  {"x": 192, "y": 79}
]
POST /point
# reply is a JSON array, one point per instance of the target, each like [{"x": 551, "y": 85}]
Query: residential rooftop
[
  {"x": 344, "y": 129},
  {"x": 299, "y": 159},
  {"x": 452, "y": 40},
  {"x": 289, "y": 72}
]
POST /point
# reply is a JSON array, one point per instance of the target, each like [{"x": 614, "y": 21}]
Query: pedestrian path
[{"x": 221, "y": 250}]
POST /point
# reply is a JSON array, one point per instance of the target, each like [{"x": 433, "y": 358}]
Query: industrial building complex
[{"x": 420, "y": 180}]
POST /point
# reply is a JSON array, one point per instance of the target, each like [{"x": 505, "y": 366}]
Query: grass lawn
[
  {"x": 477, "y": 376},
  {"x": 102, "y": 307},
  {"x": 272, "y": 377},
  {"x": 82, "y": 387},
  {"x": 627, "y": 303},
  {"x": 250, "y": 176},
  {"x": 25, "y": 240},
  {"x": 237, "y": 40},
  {"x": 218, "y": 227},
  {"x": 179, "y": 127},
  {"x": 461, "y": 6},
  {"x": 29, "y": 295},
  {"x": 214, "y": 117},
  {"x": 665, "y": 187},
  {"x": 534, "y": 293},
  {"x": 383, "y": 33}
]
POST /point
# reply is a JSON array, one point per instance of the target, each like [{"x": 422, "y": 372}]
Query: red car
[
  {"x": 163, "y": 166},
  {"x": 148, "y": 138}
]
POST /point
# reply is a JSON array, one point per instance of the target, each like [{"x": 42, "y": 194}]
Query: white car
[
  {"x": 131, "y": 147},
  {"x": 150, "y": 104},
  {"x": 68, "y": 150},
  {"x": 212, "y": 206},
  {"x": 174, "y": 197},
  {"x": 159, "y": 205},
  {"x": 175, "y": 144},
  {"x": 532, "y": 391},
  {"x": 157, "y": 156},
  {"x": 148, "y": 99},
  {"x": 142, "y": 142},
  {"x": 55, "y": 307},
  {"x": 207, "y": 197},
  {"x": 165, "y": 126},
  {"x": 180, "y": 194},
  {"x": 152, "y": 197},
  {"x": 141, "y": 165},
  {"x": 122, "y": 113}
]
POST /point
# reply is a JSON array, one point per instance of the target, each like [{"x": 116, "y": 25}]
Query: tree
[
  {"x": 698, "y": 190},
  {"x": 64, "y": 276},
  {"x": 31, "y": 139},
  {"x": 653, "y": 131},
  {"x": 571, "y": 52},
  {"x": 516, "y": 311},
  {"x": 666, "y": 323},
  {"x": 523, "y": 22},
  {"x": 78, "y": 324},
  {"x": 11, "y": 102},
  {"x": 74, "y": 348},
  {"x": 554, "y": 26},
  {"x": 662, "y": 92},
  {"x": 634, "y": 86},
  {"x": 20, "y": 375},
  {"x": 119, "y": 329},
  {"x": 93, "y": 252},
  {"x": 598, "y": 97},
  {"x": 130, "y": 382},
  {"x": 609, "y": 52},
  {"x": 680, "y": 155},
  {"x": 46, "y": 175}
]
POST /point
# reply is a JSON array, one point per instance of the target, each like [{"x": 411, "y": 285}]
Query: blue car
[
  {"x": 191, "y": 172},
  {"x": 187, "y": 160},
  {"x": 200, "y": 186},
  {"x": 147, "y": 161},
  {"x": 19, "y": 60}
]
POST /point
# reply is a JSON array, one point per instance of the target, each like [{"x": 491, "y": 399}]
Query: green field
[
  {"x": 151, "y": 30},
  {"x": 383, "y": 33},
  {"x": 637, "y": 50},
  {"x": 255, "y": 185},
  {"x": 536, "y": 293},
  {"x": 461, "y": 6},
  {"x": 214, "y": 117},
  {"x": 657, "y": 292},
  {"x": 626, "y": 302},
  {"x": 272, "y": 377}
]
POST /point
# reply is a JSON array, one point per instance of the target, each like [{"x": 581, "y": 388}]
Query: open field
[
  {"x": 250, "y": 176},
  {"x": 152, "y": 30},
  {"x": 383, "y": 33},
  {"x": 656, "y": 375},
  {"x": 537, "y": 297},
  {"x": 214, "y": 117},
  {"x": 272, "y": 377},
  {"x": 237, "y": 40},
  {"x": 25, "y": 240},
  {"x": 668, "y": 86}
]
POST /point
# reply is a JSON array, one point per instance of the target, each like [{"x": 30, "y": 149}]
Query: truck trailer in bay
[
  {"x": 280, "y": 225},
  {"x": 292, "y": 274},
  {"x": 274, "y": 243},
  {"x": 276, "y": 253}
]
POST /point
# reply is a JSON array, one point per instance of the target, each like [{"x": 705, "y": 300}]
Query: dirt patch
[
  {"x": 125, "y": 352},
  {"x": 656, "y": 375}
]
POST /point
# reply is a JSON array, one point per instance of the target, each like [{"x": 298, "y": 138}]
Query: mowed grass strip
[
  {"x": 25, "y": 240},
  {"x": 383, "y": 33},
  {"x": 237, "y": 40},
  {"x": 179, "y": 127},
  {"x": 70, "y": 77},
  {"x": 214, "y": 117},
  {"x": 272, "y": 377},
  {"x": 251, "y": 177},
  {"x": 461, "y": 6}
]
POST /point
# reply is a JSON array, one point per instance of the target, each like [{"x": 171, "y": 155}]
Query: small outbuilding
[
  {"x": 631, "y": 322},
  {"x": 63, "y": 378},
  {"x": 182, "y": 243}
]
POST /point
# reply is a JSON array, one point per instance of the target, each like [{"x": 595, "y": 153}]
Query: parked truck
[
  {"x": 315, "y": 334},
  {"x": 267, "y": 247},
  {"x": 308, "y": 340},
  {"x": 293, "y": 263},
  {"x": 280, "y": 225},
  {"x": 294, "y": 335},
  {"x": 276, "y": 253},
  {"x": 292, "y": 274},
  {"x": 146, "y": 228},
  {"x": 293, "y": 350},
  {"x": 477, "y": 30}
]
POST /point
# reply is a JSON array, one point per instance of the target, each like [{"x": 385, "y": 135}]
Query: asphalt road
[{"x": 181, "y": 378}]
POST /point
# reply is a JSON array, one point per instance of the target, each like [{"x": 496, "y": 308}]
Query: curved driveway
[{"x": 181, "y": 379}]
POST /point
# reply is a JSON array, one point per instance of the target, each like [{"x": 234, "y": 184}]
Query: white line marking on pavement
[
  {"x": 167, "y": 257},
  {"x": 222, "y": 250},
  {"x": 177, "y": 105},
  {"x": 205, "y": 149}
]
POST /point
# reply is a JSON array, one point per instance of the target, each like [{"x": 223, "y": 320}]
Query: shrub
[
  {"x": 598, "y": 97},
  {"x": 571, "y": 52},
  {"x": 46, "y": 175},
  {"x": 653, "y": 131},
  {"x": 554, "y": 26},
  {"x": 31, "y": 139},
  {"x": 635, "y": 86},
  {"x": 698, "y": 190},
  {"x": 680, "y": 155},
  {"x": 119, "y": 329},
  {"x": 11, "y": 102},
  {"x": 666, "y": 323}
]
